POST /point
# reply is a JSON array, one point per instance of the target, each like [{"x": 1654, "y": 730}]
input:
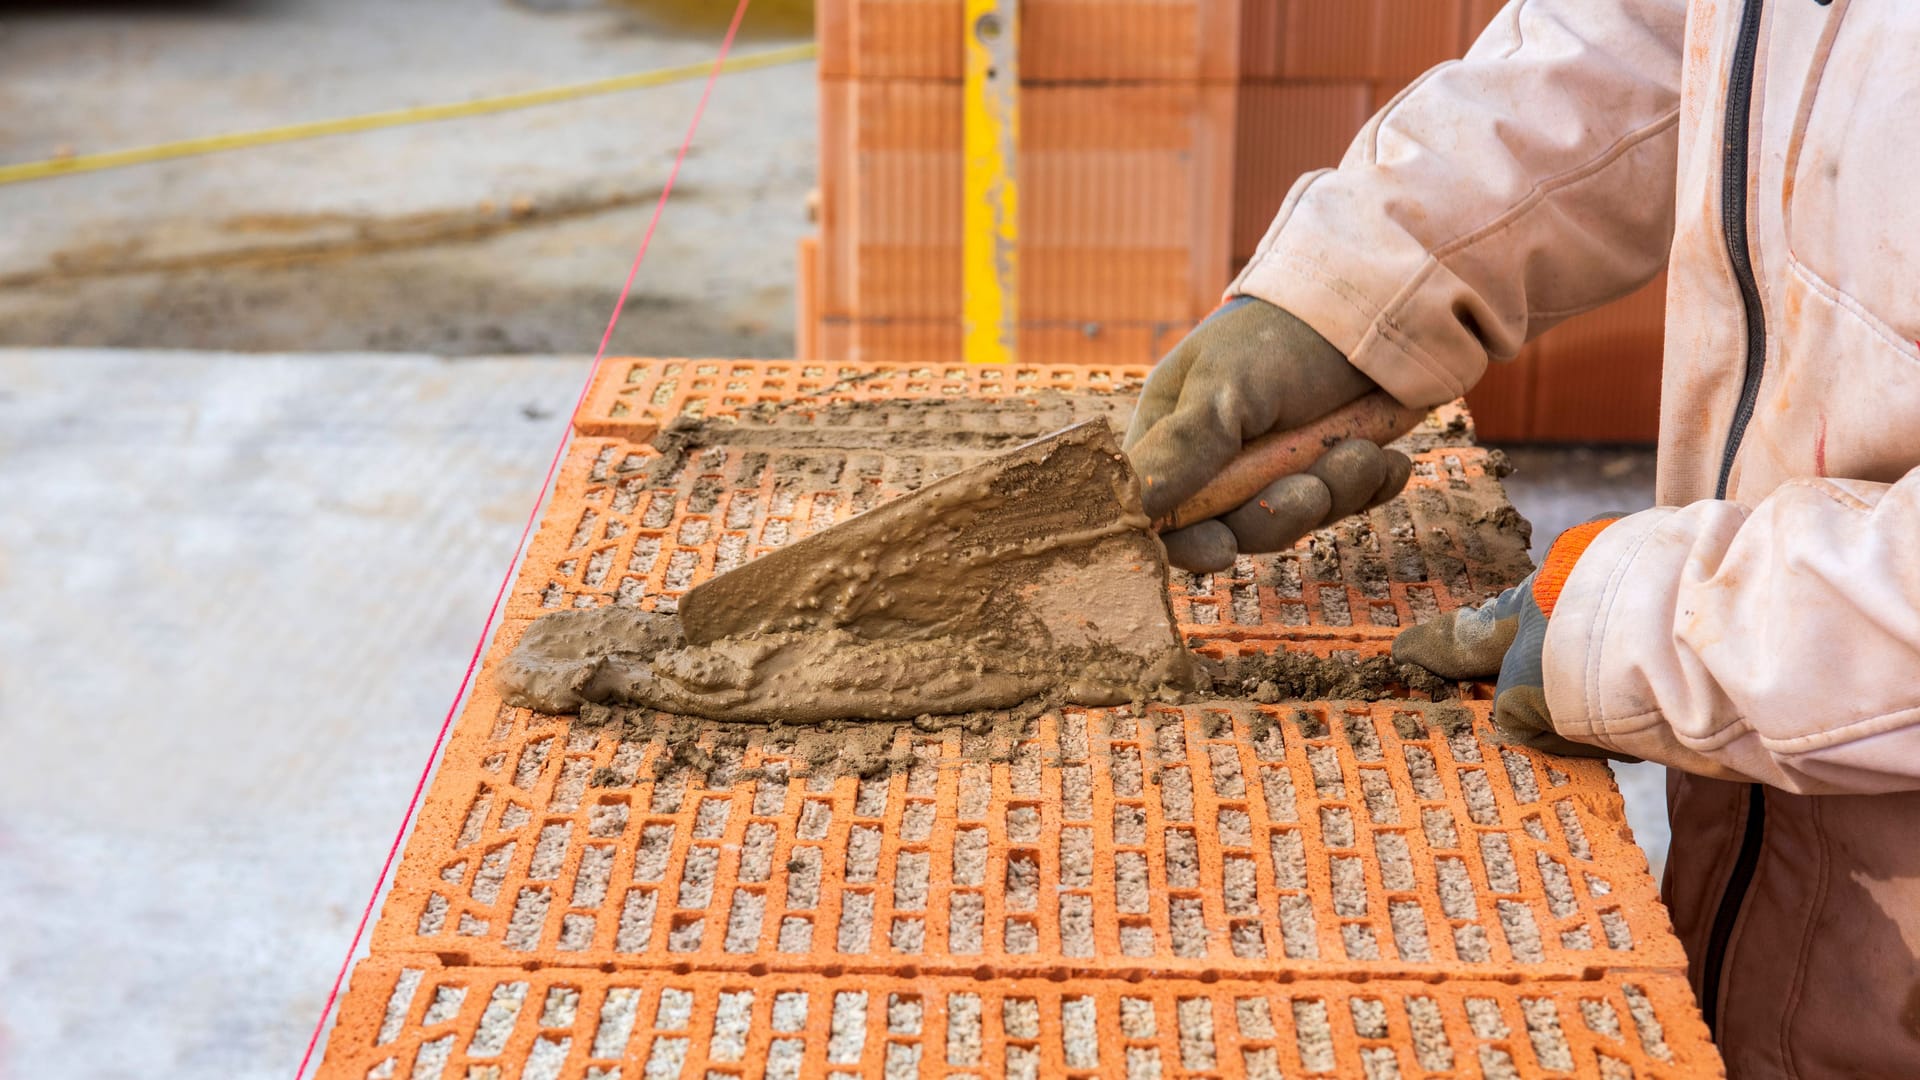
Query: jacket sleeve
[
  {"x": 1778, "y": 643},
  {"x": 1498, "y": 195}
]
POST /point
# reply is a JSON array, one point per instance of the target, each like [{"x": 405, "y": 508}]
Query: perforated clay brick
[
  {"x": 1221, "y": 888},
  {"x": 1383, "y": 837},
  {"x": 632, "y": 524},
  {"x": 417, "y": 1018}
]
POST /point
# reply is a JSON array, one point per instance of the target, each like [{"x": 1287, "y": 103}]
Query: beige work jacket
[{"x": 1760, "y": 631}]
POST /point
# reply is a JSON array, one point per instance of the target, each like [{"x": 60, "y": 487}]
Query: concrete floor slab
[{"x": 236, "y": 594}]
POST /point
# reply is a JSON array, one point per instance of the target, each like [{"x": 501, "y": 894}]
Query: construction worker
[{"x": 1759, "y": 631}]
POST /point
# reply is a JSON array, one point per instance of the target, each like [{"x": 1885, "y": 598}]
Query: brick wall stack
[
  {"x": 1157, "y": 140},
  {"x": 1125, "y": 172}
]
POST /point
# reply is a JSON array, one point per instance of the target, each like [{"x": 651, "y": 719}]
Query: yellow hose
[{"x": 214, "y": 144}]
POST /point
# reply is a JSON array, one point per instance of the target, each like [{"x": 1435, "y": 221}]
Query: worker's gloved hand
[
  {"x": 1249, "y": 369},
  {"x": 1506, "y": 637}
]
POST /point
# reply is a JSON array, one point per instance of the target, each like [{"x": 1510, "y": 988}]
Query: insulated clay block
[
  {"x": 1388, "y": 40},
  {"x": 1144, "y": 40},
  {"x": 1481, "y": 14},
  {"x": 1262, "y": 39},
  {"x": 1339, "y": 838},
  {"x": 1246, "y": 885},
  {"x": 1411, "y": 36},
  {"x": 1060, "y": 40},
  {"x": 412, "y": 1016},
  {"x": 890, "y": 181},
  {"x": 806, "y": 296},
  {"x": 1502, "y": 401},
  {"x": 909, "y": 342},
  {"x": 1125, "y": 201},
  {"x": 1593, "y": 378},
  {"x": 1328, "y": 39},
  {"x": 632, "y": 398},
  {"x": 1283, "y": 130},
  {"x": 1597, "y": 376},
  {"x": 627, "y": 528}
]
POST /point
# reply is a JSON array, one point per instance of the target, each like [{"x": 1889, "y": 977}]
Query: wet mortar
[
  {"x": 1033, "y": 574},
  {"x": 811, "y": 443},
  {"x": 877, "y": 749}
]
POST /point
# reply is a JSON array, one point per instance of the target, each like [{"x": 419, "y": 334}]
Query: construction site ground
[{"x": 496, "y": 234}]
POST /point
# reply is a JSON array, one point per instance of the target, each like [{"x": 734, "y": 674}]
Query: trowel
[
  {"x": 1034, "y": 575},
  {"x": 1046, "y": 545}
]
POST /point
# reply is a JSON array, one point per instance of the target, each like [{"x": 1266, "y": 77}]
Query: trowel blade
[{"x": 1048, "y": 537}]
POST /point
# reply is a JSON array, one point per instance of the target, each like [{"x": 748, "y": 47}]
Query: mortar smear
[
  {"x": 1300, "y": 676},
  {"x": 1034, "y": 575}
]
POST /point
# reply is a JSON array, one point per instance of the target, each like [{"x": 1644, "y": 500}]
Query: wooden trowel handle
[{"x": 1377, "y": 418}]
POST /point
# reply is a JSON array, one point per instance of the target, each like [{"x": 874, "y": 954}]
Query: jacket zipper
[
  {"x": 1744, "y": 864},
  {"x": 1733, "y": 213},
  {"x": 1733, "y": 220}
]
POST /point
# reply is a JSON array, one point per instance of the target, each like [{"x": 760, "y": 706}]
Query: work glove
[
  {"x": 1249, "y": 369},
  {"x": 1506, "y": 636}
]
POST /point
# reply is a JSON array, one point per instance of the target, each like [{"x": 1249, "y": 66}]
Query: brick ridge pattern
[{"x": 1225, "y": 888}]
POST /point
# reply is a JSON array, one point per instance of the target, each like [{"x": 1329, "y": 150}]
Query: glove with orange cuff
[{"x": 1506, "y": 636}]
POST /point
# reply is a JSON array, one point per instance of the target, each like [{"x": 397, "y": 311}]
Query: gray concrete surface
[
  {"x": 498, "y": 234},
  {"x": 236, "y": 595}
]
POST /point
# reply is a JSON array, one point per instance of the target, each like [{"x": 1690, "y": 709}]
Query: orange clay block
[
  {"x": 1109, "y": 41},
  {"x": 1126, "y": 200},
  {"x": 1224, "y": 888},
  {"x": 1283, "y": 130},
  {"x": 631, "y": 398},
  {"x": 1389, "y": 40},
  {"x": 919, "y": 342},
  {"x": 412, "y": 1016},
  {"x": 1322, "y": 840},
  {"x": 806, "y": 297},
  {"x": 1598, "y": 374},
  {"x": 623, "y": 529},
  {"x": 1593, "y": 378},
  {"x": 1060, "y": 40}
]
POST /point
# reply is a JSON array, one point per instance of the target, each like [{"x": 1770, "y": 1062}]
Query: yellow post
[{"x": 990, "y": 224}]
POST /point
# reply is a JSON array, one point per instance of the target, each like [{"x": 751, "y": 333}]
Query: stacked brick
[
  {"x": 1226, "y": 888},
  {"x": 1158, "y": 139},
  {"x": 1125, "y": 169},
  {"x": 1314, "y": 71}
]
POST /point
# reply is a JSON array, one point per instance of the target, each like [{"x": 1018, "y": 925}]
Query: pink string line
[{"x": 553, "y": 465}]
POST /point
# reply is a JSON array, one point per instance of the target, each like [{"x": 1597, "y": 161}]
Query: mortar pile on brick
[
  {"x": 1222, "y": 888},
  {"x": 628, "y": 528}
]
